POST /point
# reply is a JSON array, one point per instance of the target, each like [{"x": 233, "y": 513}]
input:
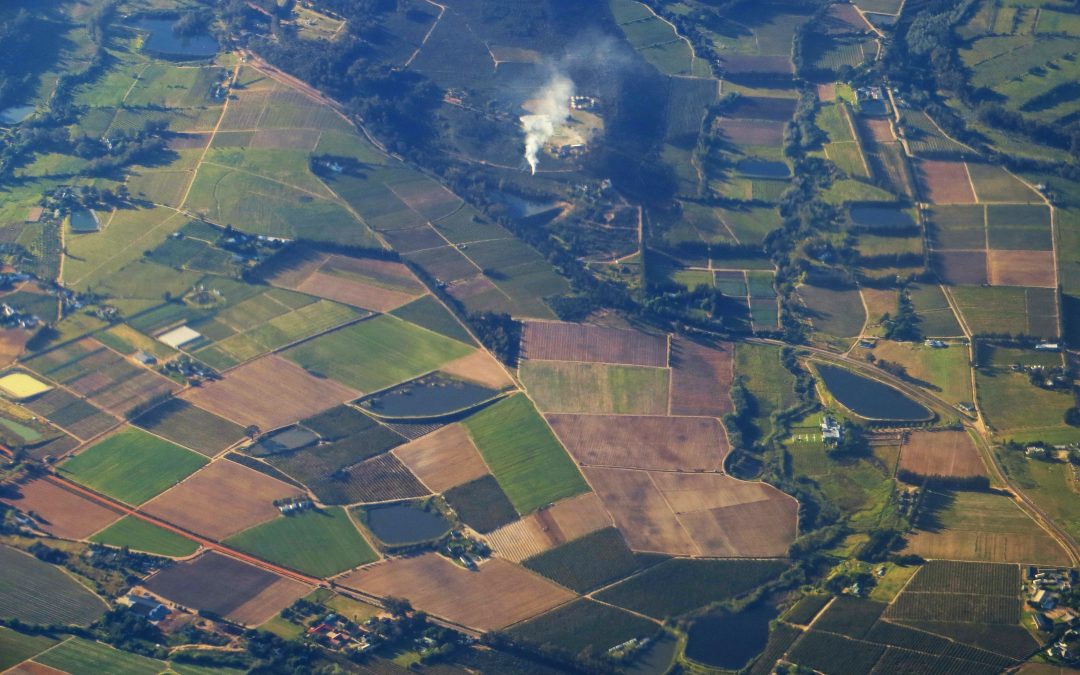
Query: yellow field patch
[{"x": 21, "y": 386}]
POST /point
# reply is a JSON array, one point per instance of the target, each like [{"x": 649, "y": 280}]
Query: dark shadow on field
[{"x": 934, "y": 504}]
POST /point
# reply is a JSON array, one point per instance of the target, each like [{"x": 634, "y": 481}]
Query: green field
[
  {"x": 39, "y": 593},
  {"x": 193, "y": 427},
  {"x": 83, "y": 657},
  {"x": 1009, "y": 401},
  {"x": 561, "y": 386},
  {"x": 132, "y": 466},
  {"x": 584, "y": 624},
  {"x": 679, "y": 585},
  {"x": 524, "y": 455},
  {"x": 427, "y": 312},
  {"x": 769, "y": 382},
  {"x": 377, "y": 353},
  {"x": 588, "y": 562},
  {"x": 321, "y": 543},
  {"x": 139, "y": 535},
  {"x": 946, "y": 371},
  {"x": 17, "y": 647},
  {"x": 835, "y": 312}
]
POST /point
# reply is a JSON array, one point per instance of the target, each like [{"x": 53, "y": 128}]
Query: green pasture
[{"x": 320, "y": 542}]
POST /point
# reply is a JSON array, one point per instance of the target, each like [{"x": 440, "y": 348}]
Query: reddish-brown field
[
  {"x": 706, "y": 514},
  {"x": 378, "y": 285},
  {"x": 643, "y": 441},
  {"x": 269, "y": 392},
  {"x": 701, "y": 378},
  {"x": 826, "y": 92},
  {"x": 844, "y": 18},
  {"x": 443, "y": 459},
  {"x": 220, "y": 500},
  {"x": 188, "y": 141},
  {"x": 944, "y": 182},
  {"x": 752, "y": 132},
  {"x": 880, "y": 130},
  {"x": 494, "y": 596},
  {"x": 427, "y": 198},
  {"x": 236, "y": 590},
  {"x": 555, "y": 341},
  {"x": 60, "y": 512},
  {"x": 479, "y": 367},
  {"x": 941, "y": 453},
  {"x": 550, "y": 527},
  {"x": 353, "y": 292},
  {"x": 31, "y": 668},
  {"x": 960, "y": 267},
  {"x": 1022, "y": 268},
  {"x": 737, "y": 64},
  {"x": 471, "y": 287},
  {"x": 12, "y": 343}
]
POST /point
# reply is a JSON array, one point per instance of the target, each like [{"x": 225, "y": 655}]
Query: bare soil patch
[
  {"x": 944, "y": 182},
  {"x": 752, "y": 132},
  {"x": 880, "y": 130},
  {"x": 269, "y": 392},
  {"x": 643, "y": 441},
  {"x": 697, "y": 514},
  {"x": 941, "y": 453},
  {"x": 1022, "y": 268},
  {"x": 60, "y": 512},
  {"x": 220, "y": 500},
  {"x": 826, "y": 92},
  {"x": 960, "y": 267},
  {"x": 479, "y": 367},
  {"x": 12, "y": 344},
  {"x": 555, "y": 341},
  {"x": 236, "y": 590},
  {"x": 443, "y": 459},
  {"x": 494, "y": 596},
  {"x": 701, "y": 378},
  {"x": 355, "y": 293}
]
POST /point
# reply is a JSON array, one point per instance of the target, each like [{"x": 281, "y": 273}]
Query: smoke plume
[{"x": 550, "y": 110}]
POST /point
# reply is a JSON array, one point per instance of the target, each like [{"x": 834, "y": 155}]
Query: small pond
[
  {"x": 16, "y": 114},
  {"x": 656, "y": 659},
  {"x": 729, "y": 641},
  {"x": 285, "y": 440},
  {"x": 869, "y": 398},
  {"x": 405, "y": 523},
  {"x": 763, "y": 168},
  {"x": 881, "y": 217},
  {"x": 162, "y": 40},
  {"x": 84, "y": 220},
  {"x": 429, "y": 396}
]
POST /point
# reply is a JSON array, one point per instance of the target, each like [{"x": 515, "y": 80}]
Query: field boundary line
[
  {"x": 209, "y": 143},
  {"x": 438, "y": 19}
]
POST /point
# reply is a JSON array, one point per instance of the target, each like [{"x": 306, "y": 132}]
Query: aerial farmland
[{"x": 539, "y": 336}]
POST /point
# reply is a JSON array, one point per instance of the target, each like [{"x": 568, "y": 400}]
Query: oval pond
[
  {"x": 430, "y": 396},
  {"x": 405, "y": 523},
  {"x": 730, "y": 640},
  {"x": 162, "y": 40},
  {"x": 869, "y": 398}
]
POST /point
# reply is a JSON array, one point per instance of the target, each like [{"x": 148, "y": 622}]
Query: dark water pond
[
  {"x": 285, "y": 440},
  {"x": 519, "y": 207},
  {"x": 763, "y": 168},
  {"x": 730, "y": 640},
  {"x": 405, "y": 523},
  {"x": 869, "y": 398},
  {"x": 429, "y": 396},
  {"x": 162, "y": 40},
  {"x": 883, "y": 217},
  {"x": 656, "y": 659},
  {"x": 84, "y": 220},
  {"x": 15, "y": 114}
]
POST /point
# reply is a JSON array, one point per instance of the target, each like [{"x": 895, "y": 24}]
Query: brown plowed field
[
  {"x": 752, "y": 132},
  {"x": 222, "y": 585},
  {"x": 353, "y": 292},
  {"x": 643, "y": 441},
  {"x": 31, "y": 668},
  {"x": 60, "y": 512},
  {"x": 880, "y": 130},
  {"x": 494, "y": 596},
  {"x": 844, "y": 18},
  {"x": 12, "y": 343},
  {"x": 697, "y": 514},
  {"x": 220, "y": 500},
  {"x": 471, "y": 287},
  {"x": 479, "y": 367},
  {"x": 701, "y": 378},
  {"x": 550, "y": 527},
  {"x": 1034, "y": 547},
  {"x": 960, "y": 267},
  {"x": 269, "y": 392},
  {"x": 944, "y": 182},
  {"x": 1022, "y": 268},
  {"x": 554, "y": 341},
  {"x": 826, "y": 92},
  {"x": 443, "y": 459},
  {"x": 941, "y": 453}
]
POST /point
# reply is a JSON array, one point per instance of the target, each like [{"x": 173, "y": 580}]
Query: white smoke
[{"x": 550, "y": 109}]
